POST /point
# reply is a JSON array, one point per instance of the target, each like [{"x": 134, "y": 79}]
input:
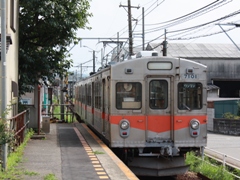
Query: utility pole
[
  {"x": 93, "y": 61},
  {"x": 164, "y": 43},
  {"x": 143, "y": 30},
  {"x": 4, "y": 79},
  {"x": 130, "y": 25}
]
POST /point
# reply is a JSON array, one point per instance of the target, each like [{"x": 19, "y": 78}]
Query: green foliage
[
  {"x": 236, "y": 172},
  {"x": 50, "y": 177},
  {"x": 229, "y": 115},
  {"x": 12, "y": 172},
  {"x": 98, "y": 152},
  {"x": 6, "y": 134},
  {"x": 46, "y": 29},
  {"x": 214, "y": 172}
]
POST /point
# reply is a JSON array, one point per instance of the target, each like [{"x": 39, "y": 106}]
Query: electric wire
[
  {"x": 205, "y": 35},
  {"x": 183, "y": 15},
  {"x": 200, "y": 13}
]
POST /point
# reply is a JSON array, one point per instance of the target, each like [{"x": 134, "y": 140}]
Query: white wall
[
  {"x": 11, "y": 56},
  {"x": 210, "y": 114}
]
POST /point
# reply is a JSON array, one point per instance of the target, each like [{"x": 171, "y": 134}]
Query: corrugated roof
[
  {"x": 212, "y": 86},
  {"x": 198, "y": 50}
]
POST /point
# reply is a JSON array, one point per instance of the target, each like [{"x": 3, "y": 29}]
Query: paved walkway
[
  {"x": 67, "y": 152},
  {"x": 43, "y": 156}
]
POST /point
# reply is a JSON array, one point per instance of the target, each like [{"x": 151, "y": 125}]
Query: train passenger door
[
  {"x": 159, "y": 102},
  {"x": 103, "y": 105},
  {"x": 93, "y": 102},
  {"x": 85, "y": 102}
]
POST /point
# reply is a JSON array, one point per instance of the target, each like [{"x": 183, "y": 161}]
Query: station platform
[{"x": 72, "y": 152}]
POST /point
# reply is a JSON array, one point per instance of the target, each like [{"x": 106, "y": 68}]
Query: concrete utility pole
[
  {"x": 143, "y": 30},
  {"x": 164, "y": 43},
  {"x": 3, "y": 56},
  {"x": 94, "y": 61},
  {"x": 130, "y": 25},
  {"x": 4, "y": 78}
]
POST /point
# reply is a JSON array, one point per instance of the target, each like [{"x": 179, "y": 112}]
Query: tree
[{"x": 46, "y": 29}]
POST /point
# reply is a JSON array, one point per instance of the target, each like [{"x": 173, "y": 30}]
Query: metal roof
[
  {"x": 198, "y": 50},
  {"x": 212, "y": 86}
]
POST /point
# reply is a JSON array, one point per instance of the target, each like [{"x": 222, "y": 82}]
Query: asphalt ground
[
  {"x": 226, "y": 148},
  {"x": 226, "y": 144},
  {"x": 72, "y": 152}
]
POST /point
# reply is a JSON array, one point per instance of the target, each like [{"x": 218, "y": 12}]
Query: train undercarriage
[{"x": 151, "y": 163}]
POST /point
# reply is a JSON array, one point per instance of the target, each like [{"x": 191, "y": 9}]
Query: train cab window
[
  {"x": 128, "y": 95},
  {"x": 158, "y": 94},
  {"x": 189, "y": 96}
]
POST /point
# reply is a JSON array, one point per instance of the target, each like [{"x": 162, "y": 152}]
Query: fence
[
  {"x": 17, "y": 126},
  {"x": 224, "y": 159},
  {"x": 54, "y": 111}
]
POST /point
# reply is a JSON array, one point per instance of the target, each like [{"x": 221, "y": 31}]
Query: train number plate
[{"x": 190, "y": 76}]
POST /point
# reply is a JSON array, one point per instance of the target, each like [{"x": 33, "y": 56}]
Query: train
[{"x": 150, "y": 110}]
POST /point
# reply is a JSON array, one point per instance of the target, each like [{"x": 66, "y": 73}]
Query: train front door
[{"x": 158, "y": 109}]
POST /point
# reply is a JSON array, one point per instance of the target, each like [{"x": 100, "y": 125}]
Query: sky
[{"x": 110, "y": 21}]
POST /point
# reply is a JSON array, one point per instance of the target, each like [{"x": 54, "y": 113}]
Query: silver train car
[{"x": 149, "y": 110}]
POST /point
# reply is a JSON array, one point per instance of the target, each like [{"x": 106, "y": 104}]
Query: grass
[
  {"x": 57, "y": 111},
  {"x": 14, "y": 158},
  {"x": 98, "y": 152},
  {"x": 209, "y": 168},
  {"x": 50, "y": 177}
]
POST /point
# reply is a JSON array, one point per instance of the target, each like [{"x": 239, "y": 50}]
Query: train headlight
[
  {"x": 124, "y": 125},
  {"x": 194, "y": 124},
  {"x": 124, "y": 130},
  {"x": 194, "y": 128}
]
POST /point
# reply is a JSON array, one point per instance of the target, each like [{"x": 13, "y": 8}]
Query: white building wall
[
  {"x": 11, "y": 54},
  {"x": 210, "y": 114}
]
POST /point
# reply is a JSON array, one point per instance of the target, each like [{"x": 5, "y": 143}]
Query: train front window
[
  {"x": 128, "y": 95},
  {"x": 158, "y": 94},
  {"x": 189, "y": 96}
]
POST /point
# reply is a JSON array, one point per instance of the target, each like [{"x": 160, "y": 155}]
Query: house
[{"x": 9, "y": 59}]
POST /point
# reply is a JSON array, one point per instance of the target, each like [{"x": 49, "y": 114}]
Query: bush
[{"x": 214, "y": 172}]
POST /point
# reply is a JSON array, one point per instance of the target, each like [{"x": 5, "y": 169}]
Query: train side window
[
  {"x": 158, "y": 94},
  {"x": 128, "y": 95},
  {"x": 89, "y": 95},
  {"x": 97, "y": 93},
  {"x": 189, "y": 96}
]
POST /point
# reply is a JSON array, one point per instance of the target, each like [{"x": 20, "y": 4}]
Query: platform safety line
[
  {"x": 96, "y": 164},
  {"x": 119, "y": 163}
]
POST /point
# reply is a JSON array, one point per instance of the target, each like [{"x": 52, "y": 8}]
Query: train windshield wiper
[{"x": 188, "y": 108}]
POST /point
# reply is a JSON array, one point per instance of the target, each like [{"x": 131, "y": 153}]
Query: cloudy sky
[{"x": 185, "y": 21}]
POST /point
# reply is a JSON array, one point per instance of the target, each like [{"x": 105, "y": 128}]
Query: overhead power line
[
  {"x": 200, "y": 12},
  {"x": 183, "y": 15}
]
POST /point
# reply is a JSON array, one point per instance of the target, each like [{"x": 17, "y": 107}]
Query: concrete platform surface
[{"x": 72, "y": 152}]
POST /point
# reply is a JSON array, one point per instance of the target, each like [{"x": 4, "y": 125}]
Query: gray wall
[{"x": 228, "y": 69}]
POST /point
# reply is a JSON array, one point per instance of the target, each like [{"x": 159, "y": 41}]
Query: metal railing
[
  {"x": 18, "y": 125},
  {"x": 223, "y": 158}
]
